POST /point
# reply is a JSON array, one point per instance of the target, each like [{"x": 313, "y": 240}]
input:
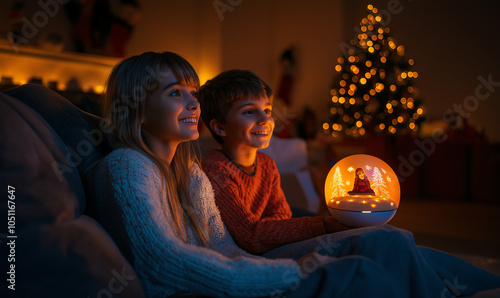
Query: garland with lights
[{"x": 374, "y": 88}]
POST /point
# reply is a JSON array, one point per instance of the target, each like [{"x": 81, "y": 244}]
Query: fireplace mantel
[{"x": 58, "y": 70}]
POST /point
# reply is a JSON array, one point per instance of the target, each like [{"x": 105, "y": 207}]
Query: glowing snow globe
[{"x": 362, "y": 190}]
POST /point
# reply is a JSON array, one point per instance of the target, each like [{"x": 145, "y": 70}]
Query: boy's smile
[{"x": 249, "y": 126}]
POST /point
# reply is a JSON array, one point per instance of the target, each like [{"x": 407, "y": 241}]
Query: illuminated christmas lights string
[{"x": 374, "y": 87}]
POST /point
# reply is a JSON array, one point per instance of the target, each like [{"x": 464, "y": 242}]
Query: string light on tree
[{"x": 374, "y": 88}]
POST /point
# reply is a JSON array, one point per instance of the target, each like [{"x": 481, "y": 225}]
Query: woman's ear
[{"x": 217, "y": 127}]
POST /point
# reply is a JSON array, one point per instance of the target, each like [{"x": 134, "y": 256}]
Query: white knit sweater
[{"x": 129, "y": 196}]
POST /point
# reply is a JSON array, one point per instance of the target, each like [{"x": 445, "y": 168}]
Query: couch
[{"x": 47, "y": 150}]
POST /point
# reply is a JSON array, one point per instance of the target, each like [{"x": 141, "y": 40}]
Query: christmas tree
[
  {"x": 378, "y": 184},
  {"x": 336, "y": 184},
  {"x": 373, "y": 90}
]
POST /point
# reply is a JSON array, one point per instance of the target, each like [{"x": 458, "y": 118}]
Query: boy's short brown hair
[{"x": 218, "y": 95}]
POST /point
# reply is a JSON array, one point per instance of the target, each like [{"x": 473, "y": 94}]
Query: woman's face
[
  {"x": 361, "y": 175},
  {"x": 172, "y": 112}
]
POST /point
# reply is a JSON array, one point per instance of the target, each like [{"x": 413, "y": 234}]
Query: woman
[
  {"x": 158, "y": 205},
  {"x": 361, "y": 184}
]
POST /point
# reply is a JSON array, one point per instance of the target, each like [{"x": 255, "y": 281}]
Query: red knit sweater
[{"x": 254, "y": 208}]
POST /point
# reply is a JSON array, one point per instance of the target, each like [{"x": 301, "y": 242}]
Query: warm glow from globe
[
  {"x": 383, "y": 179},
  {"x": 362, "y": 190}
]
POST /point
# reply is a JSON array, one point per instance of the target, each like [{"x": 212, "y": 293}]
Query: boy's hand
[{"x": 332, "y": 225}]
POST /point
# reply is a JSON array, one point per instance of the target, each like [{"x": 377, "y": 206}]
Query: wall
[
  {"x": 452, "y": 46},
  {"x": 189, "y": 28},
  {"x": 452, "y": 43},
  {"x": 257, "y": 32},
  {"x": 38, "y": 28},
  {"x": 251, "y": 35}
]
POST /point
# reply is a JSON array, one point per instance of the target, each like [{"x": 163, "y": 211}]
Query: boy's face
[{"x": 249, "y": 123}]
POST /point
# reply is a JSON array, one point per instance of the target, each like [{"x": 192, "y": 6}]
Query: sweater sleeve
[
  {"x": 278, "y": 203},
  {"x": 258, "y": 233},
  {"x": 165, "y": 261}
]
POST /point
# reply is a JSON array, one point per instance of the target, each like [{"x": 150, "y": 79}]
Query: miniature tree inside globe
[{"x": 362, "y": 190}]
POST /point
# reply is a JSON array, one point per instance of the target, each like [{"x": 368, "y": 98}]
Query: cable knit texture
[
  {"x": 129, "y": 194},
  {"x": 254, "y": 208}
]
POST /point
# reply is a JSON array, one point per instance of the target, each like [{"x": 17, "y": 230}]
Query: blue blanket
[{"x": 387, "y": 263}]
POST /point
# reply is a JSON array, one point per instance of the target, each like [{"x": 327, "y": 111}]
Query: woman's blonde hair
[{"x": 130, "y": 83}]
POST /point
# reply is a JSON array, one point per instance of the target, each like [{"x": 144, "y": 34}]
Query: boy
[{"x": 236, "y": 107}]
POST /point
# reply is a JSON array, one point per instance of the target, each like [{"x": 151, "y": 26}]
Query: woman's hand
[{"x": 332, "y": 225}]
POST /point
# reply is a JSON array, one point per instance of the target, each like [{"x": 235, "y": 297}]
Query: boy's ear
[{"x": 217, "y": 127}]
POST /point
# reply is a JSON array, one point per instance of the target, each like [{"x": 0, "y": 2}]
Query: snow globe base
[
  {"x": 360, "y": 210},
  {"x": 358, "y": 219}
]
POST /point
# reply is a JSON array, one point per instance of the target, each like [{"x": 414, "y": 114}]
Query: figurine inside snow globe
[{"x": 362, "y": 190}]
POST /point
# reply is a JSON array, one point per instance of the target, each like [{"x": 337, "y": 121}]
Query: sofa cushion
[
  {"x": 58, "y": 253},
  {"x": 80, "y": 132}
]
